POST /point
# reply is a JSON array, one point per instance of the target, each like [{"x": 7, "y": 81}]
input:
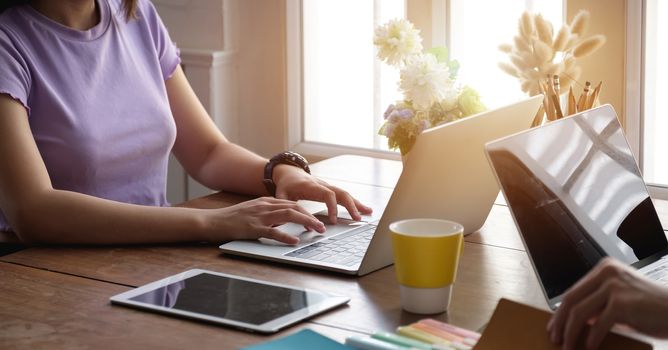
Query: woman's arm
[
  {"x": 39, "y": 213},
  {"x": 221, "y": 165},
  {"x": 202, "y": 149}
]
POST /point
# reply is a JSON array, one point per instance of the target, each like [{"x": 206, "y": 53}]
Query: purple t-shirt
[{"x": 96, "y": 99}]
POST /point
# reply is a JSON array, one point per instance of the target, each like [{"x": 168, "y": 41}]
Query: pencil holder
[{"x": 556, "y": 106}]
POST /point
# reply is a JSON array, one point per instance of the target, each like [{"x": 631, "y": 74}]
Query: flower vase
[{"x": 404, "y": 159}]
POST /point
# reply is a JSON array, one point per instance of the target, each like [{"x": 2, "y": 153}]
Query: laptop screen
[{"x": 577, "y": 195}]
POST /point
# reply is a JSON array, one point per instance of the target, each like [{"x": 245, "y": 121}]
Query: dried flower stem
[{"x": 534, "y": 52}]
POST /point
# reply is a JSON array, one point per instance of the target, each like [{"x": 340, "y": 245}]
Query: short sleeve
[
  {"x": 14, "y": 73},
  {"x": 168, "y": 53}
]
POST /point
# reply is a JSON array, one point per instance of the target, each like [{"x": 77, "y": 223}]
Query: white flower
[
  {"x": 451, "y": 99},
  {"x": 397, "y": 41},
  {"x": 425, "y": 81}
]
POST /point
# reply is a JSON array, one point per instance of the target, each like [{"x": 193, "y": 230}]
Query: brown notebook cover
[{"x": 516, "y": 326}]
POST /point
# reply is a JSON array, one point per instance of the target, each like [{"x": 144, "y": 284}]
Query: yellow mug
[{"x": 426, "y": 256}]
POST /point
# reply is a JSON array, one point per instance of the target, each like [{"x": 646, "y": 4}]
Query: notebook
[
  {"x": 446, "y": 176},
  {"x": 576, "y": 195},
  {"x": 517, "y": 326}
]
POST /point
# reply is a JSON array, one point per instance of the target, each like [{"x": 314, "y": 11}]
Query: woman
[
  {"x": 92, "y": 101},
  {"x": 611, "y": 293}
]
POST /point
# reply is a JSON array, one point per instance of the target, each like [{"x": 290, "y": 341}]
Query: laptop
[
  {"x": 576, "y": 195},
  {"x": 446, "y": 176}
]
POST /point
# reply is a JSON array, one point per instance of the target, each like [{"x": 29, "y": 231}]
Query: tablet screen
[{"x": 230, "y": 298}]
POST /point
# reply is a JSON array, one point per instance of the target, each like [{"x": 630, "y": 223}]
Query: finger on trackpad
[
  {"x": 292, "y": 229},
  {"x": 342, "y": 214},
  {"x": 289, "y": 228},
  {"x": 339, "y": 221}
]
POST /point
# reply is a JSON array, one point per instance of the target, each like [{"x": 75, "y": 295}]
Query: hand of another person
[
  {"x": 293, "y": 183},
  {"x": 256, "y": 218},
  {"x": 611, "y": 293}
]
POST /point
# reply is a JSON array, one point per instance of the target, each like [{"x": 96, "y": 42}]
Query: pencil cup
[{"x": 426, "y": 255}]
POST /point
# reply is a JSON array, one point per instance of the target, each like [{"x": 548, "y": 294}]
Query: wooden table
[{"x": 57, "y": 297}]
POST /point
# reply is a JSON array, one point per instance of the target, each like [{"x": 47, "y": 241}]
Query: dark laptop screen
[{"x": 577, "y": 195}]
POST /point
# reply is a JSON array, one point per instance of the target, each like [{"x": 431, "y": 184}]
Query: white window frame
[
  {"x": 634, "y": 94},
  {"x": 295, "y": 96},
  {"x": 634, "y": 70},
  {"x": 438, "y": 32},
  {"x": 295, "y": 81}
]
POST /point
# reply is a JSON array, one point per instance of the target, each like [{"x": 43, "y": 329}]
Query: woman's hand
[
  {"x": 256, "y": 218},
  {"x": 293, "y": 183},
  {"x": 611, "y": 293}
]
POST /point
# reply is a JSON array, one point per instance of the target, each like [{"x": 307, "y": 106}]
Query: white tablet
[{"x": 230, "y": 300}]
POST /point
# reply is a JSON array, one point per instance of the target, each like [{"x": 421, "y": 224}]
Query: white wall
[
  {"x": 196, "y": 24},
  {"x": 233, "y": 52},
  {"x": 247, "y": 38},
  {"x": 262, "y": 71},
  {"x": 207, "y": 33}
]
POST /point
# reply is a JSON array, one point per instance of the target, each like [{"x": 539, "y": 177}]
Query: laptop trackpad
[{"x": 307, "y": 237}]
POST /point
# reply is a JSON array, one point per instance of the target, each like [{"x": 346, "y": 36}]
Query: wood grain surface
[
  {"x": 57, "y": 296},
  {"x": 48, "y": 310}
]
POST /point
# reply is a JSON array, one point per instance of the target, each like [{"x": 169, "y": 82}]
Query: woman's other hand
[
  {"x": 611, "y": 293},
  {"x": 294, "y": 184}
]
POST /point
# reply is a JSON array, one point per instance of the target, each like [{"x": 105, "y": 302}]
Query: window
[
  {"x": 475, "y": 46},
  {"x": 337, "y": 106},
  {"x": 655, "y": 86},
  {"x": 344, "y": 86}
]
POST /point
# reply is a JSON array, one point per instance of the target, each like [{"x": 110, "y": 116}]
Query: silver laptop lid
[
  {"x": 577, "y": 195},
  {"x": 447, "y": 175}
]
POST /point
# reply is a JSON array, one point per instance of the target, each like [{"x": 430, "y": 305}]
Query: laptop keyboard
[
  {"x": 659, "y": 274},
  {"x": 345, "y": 249}
]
